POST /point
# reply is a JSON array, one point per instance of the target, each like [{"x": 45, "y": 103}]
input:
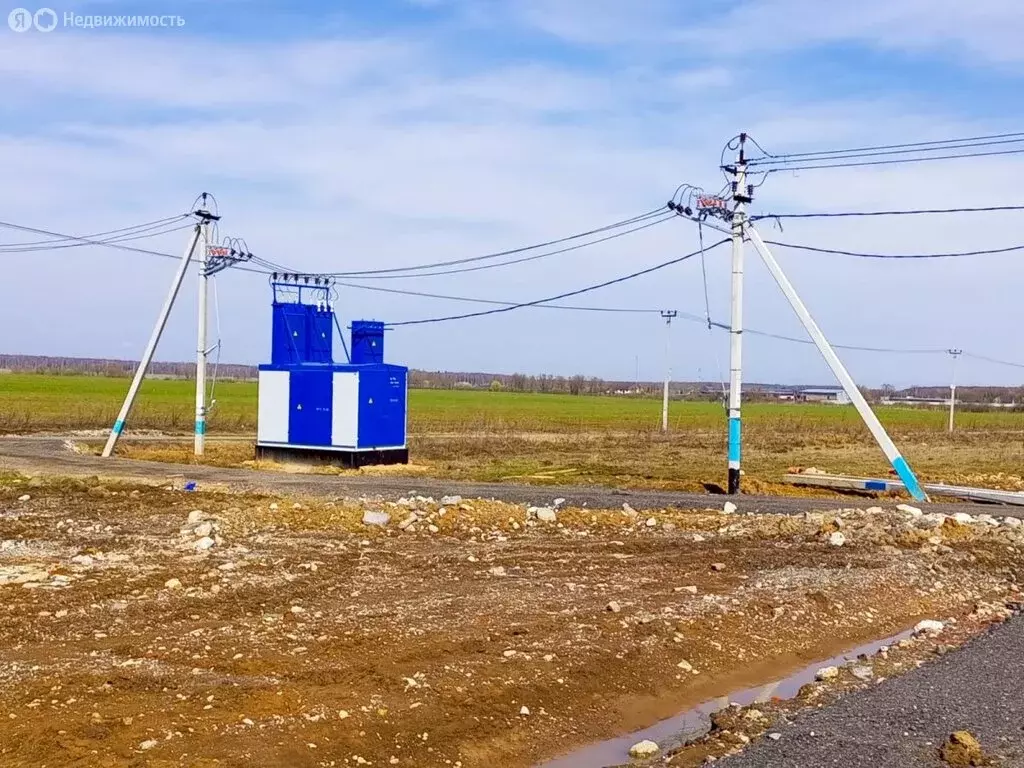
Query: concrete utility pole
[
  {"x": 741, "y": 196},
  {"x": 668, "y": 314},
  {"x": 955, "y": 354},
  {"x": 201, "y": 350},
  {"x": 154, "y": 339}
]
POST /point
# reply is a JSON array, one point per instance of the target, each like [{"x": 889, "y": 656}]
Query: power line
[
  {"x": 113, "y": 234},
  {"x": 915, "y": 212},
  {"x": 86, "y": 240},
  {"x": 993, "y": 360},
  {"x": 534, "y": 257},
  {"x": 948, "y": 255},
  {"x": 624, "y": 310},
  {"x": 921, "y": 145},
  {"x": 565, "y": 295},
  {"x": 899, "y": 161},
  {"x": 61, "y": 244},
  {"x": 510, "y": 252}
]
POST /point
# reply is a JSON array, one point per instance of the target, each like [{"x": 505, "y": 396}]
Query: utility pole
[
  {"x": 637, "y": 374},
  {"x": 741, "y": 195},
  {"x": 955, "y": 354},
  {"x": 158, "y": 329},
  {"x": 201, "y": 351},
  {"x": 668, "y": 314}
]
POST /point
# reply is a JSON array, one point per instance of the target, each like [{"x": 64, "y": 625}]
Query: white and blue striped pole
[
  {"x": 201, "y": 351},
  {"x": 870, "y": 419},
  {"x": 736, "y": 325},
  {"x": 147, "y": 356}
]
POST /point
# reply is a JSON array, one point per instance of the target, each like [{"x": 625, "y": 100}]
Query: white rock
[
  {"x": 879, "y": 510},
  {"x": 557, "y": 503},
  {"x": 685, "y": 666},
  {"x": 863, "y": 673},
  {"x": 827, "y": 673},
  {"x": 928, "y": 627},
  {"x": 698, "y": 538},
  {"x": 148, "y": 744},
  {"x": 196, "y": 516},
  {"x": 963, "y": 518},
  {"x": 498, "y": 570},
  {"x": 644, "y": 749},
  {"x": 342, "y": 714},
  {"x": 837, "y": 539},
  {"x": 729, "y": 508},
  {"x": 408, "y": 522},
  {"x": 613, "y": 606},
  {"x": 932, "y": 520},
  {"x": 651, "y": 523},
  {"x": 908, "y": 509},
  {"x": 205, "y": 543},
  {"x": 204, "y": 529},
  {"x": 450, "y": 501},
  {"x": 774, "y": 736},
  {"x": 692, "y": 589},
  {"x": 172, "y": 584},
  {"x": 433, "y": 528},
  {"x": 26, "y": 497},
  {"x": 376, "y": 518},
  {"x": 546, "y": 515},
  {"x": 273, "y": 507},
  {"x": 628, "y": 511},
  {"x": 524, "y": 710},
  {"x": 85, "y": 560},
  {"x": 1012, "y": 522}
]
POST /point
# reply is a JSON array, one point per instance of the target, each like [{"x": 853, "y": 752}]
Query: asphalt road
[
  {"x": 49, "y": 455},
  {"x": 902, "y": 722}
]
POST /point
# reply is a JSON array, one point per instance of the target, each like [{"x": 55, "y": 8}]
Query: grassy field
[
  {"x": 499, "y": 436},
  {"x": 30, "y": 402}
]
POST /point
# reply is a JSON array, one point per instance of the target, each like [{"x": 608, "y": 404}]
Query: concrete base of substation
[{"x": 321, "y": 457}]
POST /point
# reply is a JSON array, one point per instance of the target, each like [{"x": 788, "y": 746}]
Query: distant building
[{"x": 834, "y": 396}]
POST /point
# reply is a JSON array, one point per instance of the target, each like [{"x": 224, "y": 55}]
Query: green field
[{"x": 30, "y": 402}]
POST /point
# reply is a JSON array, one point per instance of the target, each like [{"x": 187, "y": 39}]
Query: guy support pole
[
  {"x": 741, "y": 197},
  {"x": 668, "y": 315},
  {"x": 201, "y": 351},
  {"x": 158, "y": 329},
  {"x": 955, "y": 353},
  {"x": 870, "y": 420}
]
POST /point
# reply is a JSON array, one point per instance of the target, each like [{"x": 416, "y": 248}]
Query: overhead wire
[
  {"x": 862, "y": 255},
  {"x": 567, "y": 294},
  {"x": 908, "y": 212},
  {"x": 112, "y": 234},
  {"x": 892, "y": 161},
  {"x": 920, "y": 145},
  {"x": 509, "y": 252},
  {"x": 521, "y": 260}
]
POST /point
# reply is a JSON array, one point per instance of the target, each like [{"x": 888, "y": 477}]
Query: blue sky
[{"x": 364, "y": 135}]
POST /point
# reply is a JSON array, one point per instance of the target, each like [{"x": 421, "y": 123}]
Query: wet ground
[{"x": 149, "y": 626}]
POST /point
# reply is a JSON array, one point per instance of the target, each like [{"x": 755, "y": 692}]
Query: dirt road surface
[
  {"x": 147, "y": 626},
  {"x": 51, "y": 454}
]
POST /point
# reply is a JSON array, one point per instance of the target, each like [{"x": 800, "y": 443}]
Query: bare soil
[{"x": 476, "y": 637}]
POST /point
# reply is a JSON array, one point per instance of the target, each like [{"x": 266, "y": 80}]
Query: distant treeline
[{"x": 516, "y": 382}]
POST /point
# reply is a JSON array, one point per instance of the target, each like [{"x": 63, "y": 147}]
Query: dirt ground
[{"x": 149, "y": 626}]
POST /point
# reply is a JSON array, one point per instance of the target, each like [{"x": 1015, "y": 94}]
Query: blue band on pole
[
  {"x": 118, "y": 427},
  {"x": 200, "y": 427},
  {"x": 734, "y": 439},
  {"x": 908, "y": 478}
]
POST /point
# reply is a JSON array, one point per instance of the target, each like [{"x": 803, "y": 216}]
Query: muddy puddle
[{"x": 676, "y": 731}]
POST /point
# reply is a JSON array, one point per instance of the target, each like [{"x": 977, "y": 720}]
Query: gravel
[
  {"x": 903, "y": 722},
  {"x": 24, "y": 454}
]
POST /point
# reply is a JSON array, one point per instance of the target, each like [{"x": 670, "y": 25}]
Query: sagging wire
[
  {"x": 211, "y": 399},
  {"x": 707, "y": 313}
]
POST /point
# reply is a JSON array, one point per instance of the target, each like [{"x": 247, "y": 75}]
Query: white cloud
[{"x": 362, "y": 153}]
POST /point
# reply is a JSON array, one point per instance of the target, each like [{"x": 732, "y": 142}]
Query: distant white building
[{"x": 834, "y": 396}]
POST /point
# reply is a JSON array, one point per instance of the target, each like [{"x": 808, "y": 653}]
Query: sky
[{"x": 342, "y": 136}]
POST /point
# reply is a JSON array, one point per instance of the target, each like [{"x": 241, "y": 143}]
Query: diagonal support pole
[
  {"x": 870, "y": 419},
  {"x": 154, "y": 339}
]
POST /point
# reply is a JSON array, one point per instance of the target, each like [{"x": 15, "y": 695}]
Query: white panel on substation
[
  {"x": 345, "y": 410},
  {"x": 272, "y": 411}
]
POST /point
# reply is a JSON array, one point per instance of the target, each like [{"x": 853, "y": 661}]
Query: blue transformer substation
[{"x": 312, "y": 409}]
